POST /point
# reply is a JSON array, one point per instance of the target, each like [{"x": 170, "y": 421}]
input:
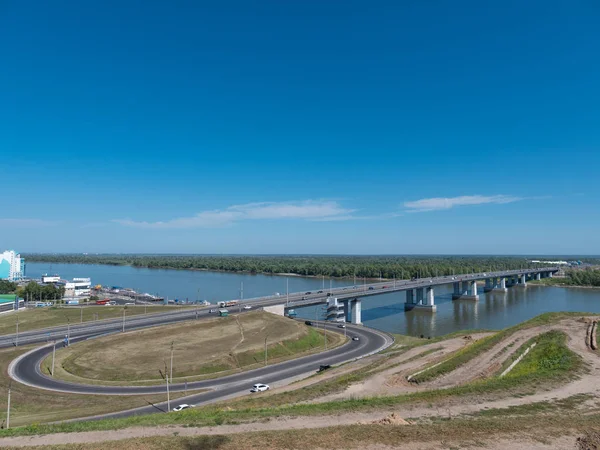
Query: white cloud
[
  {"x": 440, "y": 203},
  {"x": 28, "y": 223},
  {"x": 307, "y": 210}
]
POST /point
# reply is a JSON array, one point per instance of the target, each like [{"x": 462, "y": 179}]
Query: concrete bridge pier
[
  {"x": 423, "y": 300},
  {"x": 523, "y": 280},
  {"x": 356, "y": 312},
  {"x": 347, "y": 316},
  {"x": 500, "y": 286},
  {"x": 466, "y": 291}
]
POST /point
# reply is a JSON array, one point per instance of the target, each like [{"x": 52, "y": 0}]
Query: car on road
[
  {"x": 212, "y": 311},
  {"x": 129, "y": 303},
  {"x": 182, "y": 407},
  {"x": 384, "y": 287},
  {"x": 308, "y": 293},
  {"x": 319, "y": 292},
  {"x": 112, "y": 303},
  {"x": 323, "y": 367},
  {"x": 260, "y": 387},
  {"x": 247, "y": 307},
  {"x": 355, "y": 338},
  {"x": 329, "y": 294},
  {"x": 309, "y": 323},
  {"x": 371, "y": 288},
  {"x": 341, "y": 325}
]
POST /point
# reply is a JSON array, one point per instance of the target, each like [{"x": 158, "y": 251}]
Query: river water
[{"x": 384, "y": 312}]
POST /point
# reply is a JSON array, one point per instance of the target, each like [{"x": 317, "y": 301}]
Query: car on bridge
[
  {"x": 371, "y": 288},
  {"x": 308, "y": 293},
  {"x": 309, "y": 323},
  {"x": 319, "y": 292}
]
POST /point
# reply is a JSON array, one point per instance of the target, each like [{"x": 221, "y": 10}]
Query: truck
[
  {"x": 228, "y": 303},
  {"x": 223, "y": 313},
  {"x": 103, "y": 301}
]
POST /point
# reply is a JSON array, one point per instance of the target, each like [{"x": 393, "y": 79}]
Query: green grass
[
  {"x": 37, "y": 318},
  {"x": 551, "y": 361},
  {"x": 466, "y": 354}
]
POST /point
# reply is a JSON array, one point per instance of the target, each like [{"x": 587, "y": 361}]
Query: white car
[
  {"x": 355, "y": 338},
  {"x": 260, "y": 388},
  {"x": 182, "y": 407},
  {"x": 341, "y": 325},
  {"x": 247, "y": 307}
]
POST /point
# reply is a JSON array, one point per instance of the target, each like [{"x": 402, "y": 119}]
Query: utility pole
[
  {"x": 323, "y": 278},
  {"x": 241, "y": 290},
  {"x": 287, "y": 291},
  {"x": 171, "y": 376},
  {"x": 365, "y": 283},
  {"x": 53, "y": 354},
  {"x": 330, "y": 285},
  {"x": 8, "y": 408},
  {"x": 168, "y": 396},
  {"x": 123, "y": 329},
  {"x": 17, "y": 336},
  {"x": 266, "y": 349},
  {"x": 81, "y": 310},
  {"x": 354, "y": 278}
]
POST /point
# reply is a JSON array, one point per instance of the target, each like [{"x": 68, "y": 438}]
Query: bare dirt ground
[{"x": 388, "y": 382}]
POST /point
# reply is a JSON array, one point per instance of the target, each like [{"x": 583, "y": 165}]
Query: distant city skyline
[{"x": 300, "y": 128}]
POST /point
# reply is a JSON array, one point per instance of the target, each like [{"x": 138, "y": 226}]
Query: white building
[
  {"x": 78, "y": 287},
  {"x": 12, "y": 266},
  {"x": 50, "y": 278}
]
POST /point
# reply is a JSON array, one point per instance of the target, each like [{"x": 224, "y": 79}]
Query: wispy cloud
[
  {"x": 440, "y": 203},
  {"x": 306, "y": 210},
  {"x": 26, "y": 223}
]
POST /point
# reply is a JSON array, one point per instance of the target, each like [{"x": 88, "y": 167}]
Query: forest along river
[{"x": 384, "y": 312}]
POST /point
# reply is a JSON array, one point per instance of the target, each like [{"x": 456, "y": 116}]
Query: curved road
[{"x": 26, "y": 370}]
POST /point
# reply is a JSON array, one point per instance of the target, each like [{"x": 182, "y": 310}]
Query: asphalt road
[{"x": 26, "y": 369}]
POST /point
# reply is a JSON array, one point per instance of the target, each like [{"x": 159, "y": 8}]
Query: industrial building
[{"x": 12, "y": 266}]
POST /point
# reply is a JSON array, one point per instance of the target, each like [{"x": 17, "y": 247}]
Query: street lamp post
[
  {"x": 53, "y": 354},
  {"x": 287, "y": 291},
  {"x": 123, "y": 328},
  {"x": 17, "y": 336},
  {"x": 171, "y": 375},
  {"x": 266, "y": 337},
  {"x": 8, "y": 409}
]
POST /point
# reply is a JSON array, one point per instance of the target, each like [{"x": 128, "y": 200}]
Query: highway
[{"x": 26, "y": 369}]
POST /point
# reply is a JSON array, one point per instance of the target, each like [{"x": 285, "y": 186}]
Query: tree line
[
  {"x": 32, "y": 291},
  {"x": 401, "y": 267},
  {"x": 585, "y": 277}
]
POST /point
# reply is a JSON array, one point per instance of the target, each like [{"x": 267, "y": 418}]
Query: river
[{"x": 384, "y": 312}]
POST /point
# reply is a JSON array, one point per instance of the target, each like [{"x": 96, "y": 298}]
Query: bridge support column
[
  {"x": 523, "y": 280},
  {"x": 501, "y": 285},
  {"x": 346, "y": 304},
  {"x": 356, "y": 312},
  {"x": 538, "y": 276},
  {"x": 467, "y": 291},
  {"x": 410, "y": 300},
  {"x": 489, "y": 285},
  {"x": 424, "y": 300},
  {"x": 549, "y": 274}
]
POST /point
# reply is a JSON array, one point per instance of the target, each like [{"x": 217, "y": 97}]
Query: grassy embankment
[
  {"x": 466, "y": 354},
  {"x": 30, "y": 405},
  {"x": 540, "y": 423},
  {"x": 205, "y": 349},
  {"x": 536, "y": 369},
  {"x": 38, "y": 318}
]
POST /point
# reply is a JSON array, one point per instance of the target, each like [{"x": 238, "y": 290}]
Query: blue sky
[{"x": 300, "y": 127}]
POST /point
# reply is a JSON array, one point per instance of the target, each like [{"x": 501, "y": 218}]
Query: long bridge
[{"x": 419, "y": 292}]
